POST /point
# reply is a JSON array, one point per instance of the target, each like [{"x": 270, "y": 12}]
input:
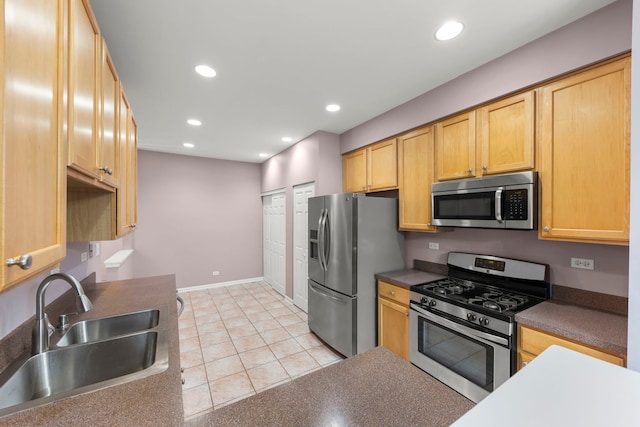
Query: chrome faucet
[{"x": 43, "y": 328}]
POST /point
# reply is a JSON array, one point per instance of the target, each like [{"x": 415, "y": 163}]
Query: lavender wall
[
  {"x": 599, "y": 35},
  {"x": 315, "y": 159},
  {"x": 195, "y": 216},
  {"x": 611, "y": 262}
]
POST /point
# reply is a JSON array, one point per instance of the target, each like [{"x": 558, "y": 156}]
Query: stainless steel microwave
[{"x": 502, "y": 201}]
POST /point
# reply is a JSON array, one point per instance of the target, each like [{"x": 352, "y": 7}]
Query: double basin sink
[{"x": 87, "y": 356}]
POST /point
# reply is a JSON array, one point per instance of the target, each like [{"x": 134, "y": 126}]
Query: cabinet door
[
  {"x": 354, "y": 171},
  {"x": 82, "y": 88},
  {"x": 455, "y": 147},
  {"x": 584, "y": 155},
  {"x": 382, "y": 165},
  {"x": 109, "y": 101},
  {"x": 415, "y": 167},
  {"x": 127, "y": 191},
  {"x": 506, "y": 135},
  {"x": 393, "y": 327},
  {"x": 33, "y": 187}
]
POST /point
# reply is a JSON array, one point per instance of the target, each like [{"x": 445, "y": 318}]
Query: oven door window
[{"x": 463, "y": 355}]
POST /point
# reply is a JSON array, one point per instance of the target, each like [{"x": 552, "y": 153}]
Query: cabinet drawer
[
  {"x": 535, "y": 342},
  {"x": 394, "y": 293}
]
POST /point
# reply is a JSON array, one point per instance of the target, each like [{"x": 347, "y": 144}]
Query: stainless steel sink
[
  {"x": 109, "y": 327},
  {"x": 98, "y": 363}
]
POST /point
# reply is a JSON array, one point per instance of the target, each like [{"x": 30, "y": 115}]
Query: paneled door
[
  {"x": 274, "y": 238},
  {"x": 301, "y": 194}
]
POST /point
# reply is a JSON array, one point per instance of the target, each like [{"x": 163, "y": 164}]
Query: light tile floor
[{"x": 239, "y": 340}]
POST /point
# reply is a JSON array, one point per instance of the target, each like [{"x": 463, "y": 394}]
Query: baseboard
[{"x": 219, "y": 285}]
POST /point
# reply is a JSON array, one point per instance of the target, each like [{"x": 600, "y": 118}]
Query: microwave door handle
[{"x": 499, "y": 204}]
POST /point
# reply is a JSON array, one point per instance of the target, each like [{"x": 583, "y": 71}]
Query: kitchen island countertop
[{"x": 376, "y": 388}]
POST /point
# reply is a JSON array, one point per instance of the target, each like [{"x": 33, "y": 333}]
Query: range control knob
[
  {"x": 432, "y": 303},
  {"x": 424, "y": 301},
  {"x": 471, "y": 317},
  {"x": 483, "y": 321}
]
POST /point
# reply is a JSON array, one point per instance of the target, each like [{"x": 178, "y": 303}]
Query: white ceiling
[{"x": 279, "y": 62}]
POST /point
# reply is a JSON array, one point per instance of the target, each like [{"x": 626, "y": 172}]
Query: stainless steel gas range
[{"x": 462, "y": 328}]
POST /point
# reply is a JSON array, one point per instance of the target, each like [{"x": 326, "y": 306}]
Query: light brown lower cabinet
[
  {"x": 532, "y": 342},
  {"x": 393, "y": 318}
]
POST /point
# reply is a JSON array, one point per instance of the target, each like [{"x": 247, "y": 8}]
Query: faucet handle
[
  {"x": 50, "y": 328},
  {"x": 64, "y": 320}
]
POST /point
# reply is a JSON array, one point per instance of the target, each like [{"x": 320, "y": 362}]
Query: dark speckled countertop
[
  {"x": 152, "y": 401},
  {"x": 598, "y": 328},
  {"x": 376, "y": 388}
]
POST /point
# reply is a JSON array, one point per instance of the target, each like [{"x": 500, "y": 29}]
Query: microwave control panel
[{"x": 516, "y": 204}]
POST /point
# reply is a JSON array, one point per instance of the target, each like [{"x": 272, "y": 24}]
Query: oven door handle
[{"x": 459, "y": 328}]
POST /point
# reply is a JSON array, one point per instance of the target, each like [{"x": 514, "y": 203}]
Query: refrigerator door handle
[
  {"x": 322, "y": 239},
  {"x": 326, "y": 245},
  {"x": 324, "y": 294}
]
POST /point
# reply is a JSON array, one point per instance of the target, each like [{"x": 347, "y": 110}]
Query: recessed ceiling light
[
  {"x": 263, "y": 155},
  {"x": 333, "y": 108},
  {"x": 188, "y": 145},
  {"x": 449, "y": 30},
  {"x": 205, "y": 71},
  {"x": 287, "y": 139},
  {"x": 194, "y": 122}
]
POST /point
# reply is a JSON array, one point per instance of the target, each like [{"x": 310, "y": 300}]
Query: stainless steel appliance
[
  {"x": 501, "y": 201},
  {"x": 462, "y": 328},
  {"x": 351, "y": 238}
]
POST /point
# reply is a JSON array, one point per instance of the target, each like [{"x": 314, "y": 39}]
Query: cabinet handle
[
  {"x": 546, "y": 229},
  {"x": 24, "y": 262},
  {"x": 107, "y": 170},
  {"x": 392, "y": 293}
]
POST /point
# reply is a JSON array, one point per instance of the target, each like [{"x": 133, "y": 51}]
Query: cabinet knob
[
  {"x": 406, "y": 314},
  {"x": 134, "y": 225},
  {"x": 546, "y": 229},
  {"x": 524, "y": 364},
  {"x": 24, "y": 261},
  {"x": 469, "y": 170},
  {"x": 392, "y": 293},
  {"x": 484, "y": 167},
  {"x": 107, "y": 170}
]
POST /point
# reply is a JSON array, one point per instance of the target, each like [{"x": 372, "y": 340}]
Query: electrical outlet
[
  {"x": 83, "y": 257},
  {"x": 215, "y": 273},
  {"x": 434, "y": 245},
  {"x": 586, "y": 264}
]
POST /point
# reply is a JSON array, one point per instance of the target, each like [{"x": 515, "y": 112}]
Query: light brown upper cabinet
[
  {"x": 456, "y": 147},
  {"x": 127, "y": 164},
  {"x": 82, "y": 87},
  {"x": 493, "y": 139},
  {"x": 32, "y": 152},
  {"x": 415, "y": 176},
  {"x": 372, "y": 168},
  {"x": 108, "y": 118},
  {"x": 584, "y": 155},
  {"x": 506, "y": 135}
]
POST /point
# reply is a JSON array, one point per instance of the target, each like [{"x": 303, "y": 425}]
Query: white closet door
[
  {"x": 301, "y": 194},
  {"x": 274, "y": 240}
]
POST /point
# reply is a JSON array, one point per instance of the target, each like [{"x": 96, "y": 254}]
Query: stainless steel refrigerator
[{"x": 351, "y": 238}]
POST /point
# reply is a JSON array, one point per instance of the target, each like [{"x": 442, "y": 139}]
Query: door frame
[
  {"x": 271, "y": 268},
  {"x": 300, "y": 231}
]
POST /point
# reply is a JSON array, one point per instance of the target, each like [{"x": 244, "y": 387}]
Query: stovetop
[{"x": 477, "y": 296}]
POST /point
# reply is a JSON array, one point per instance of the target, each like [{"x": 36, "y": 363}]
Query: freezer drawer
[{"x": 332, "y": 317}]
